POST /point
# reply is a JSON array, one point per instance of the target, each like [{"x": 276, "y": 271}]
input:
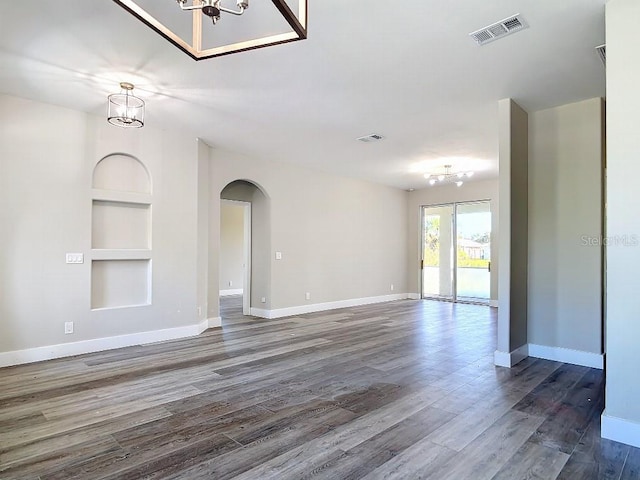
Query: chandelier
[
  {"x": 213, "y": 8},
  {"x": 448, "y": 175},
  {"x": 125, "y": 109},
  {"x": 196, "y": 42}
]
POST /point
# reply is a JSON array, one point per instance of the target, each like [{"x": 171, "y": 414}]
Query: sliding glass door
[
  {"x": 437, "y": 252},
  {"x": 456, "y": 252}
]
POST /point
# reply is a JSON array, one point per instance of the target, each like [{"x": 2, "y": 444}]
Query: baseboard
[
  {"x": 413, "y": 296},
  {"x": 620, "y": 430},
  {"x": 566, "y": 355},
  {"x": 494, "y": 303},
  {"x": 38, "y": 354},
  {"x": 214, "y": 322},
  {"x": 233, "y": 291},
  {"x": 509, "y": 359},
  {"x": 261, "y": 313},
  {"x": 321, "y": 307}
]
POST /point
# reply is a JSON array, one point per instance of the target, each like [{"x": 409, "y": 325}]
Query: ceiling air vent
[
  {"x": 498, "y": 30},
  {"x": 602, "y": 53},
  {"x": 374, "y": 137}
]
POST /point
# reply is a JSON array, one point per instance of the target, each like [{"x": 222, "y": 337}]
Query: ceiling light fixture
[
  {"x": 193, "y": 42},
  {"x": 213, "y": 8},
  {"x": 448, "y": 175},
  {"x": 125, "y": 109}
]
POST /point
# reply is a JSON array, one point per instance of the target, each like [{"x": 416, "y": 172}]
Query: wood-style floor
[{"x": 399, "y": 390}]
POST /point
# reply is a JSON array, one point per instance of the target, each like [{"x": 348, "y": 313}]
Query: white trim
[
  {"x": 214, "y": 322},
  {"x": 566, "y": 355},
  {"x": 494, "y": 303},
  {"x": 509, "y": 359},
  {"x": 620, "y": 430},
  {"x": 321, "y": 307},
  {"x": 413, "y": 296},
  {"x": 261, "y": 312},
  {"x": 38, "y": 354},
  {"x": 232, "y": 291}
]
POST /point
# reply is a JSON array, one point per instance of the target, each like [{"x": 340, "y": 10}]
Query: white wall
[
  {"x": 47, "y": 155},
  {"x": 340, "y": 238},
  {"x": 470, "y": 191},
  {"x": 621, "y": 419},
  {"x": 231, "y": 246},
  {"x": 565, "y": 227}
]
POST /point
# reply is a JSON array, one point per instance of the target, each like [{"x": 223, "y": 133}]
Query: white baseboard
[
  {"x": 413, "y": 296},
  {"x": 233, "y": 291},
  {"x": 620, "y": 430},
  {"x": 509, "y": 359},
  {"x": 566, "y": 355},
  {"x": 494, "y": 303},
  {"x": 321, "y": 307},
  {"x": 261, "y": 313},
  {"x": 38, "y": 354},
  {"x": 214, "y": 322}
]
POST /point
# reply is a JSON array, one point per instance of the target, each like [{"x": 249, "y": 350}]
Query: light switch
[
  {"x": 278, "y": 255},
  {"x": 75, "y": 258}
]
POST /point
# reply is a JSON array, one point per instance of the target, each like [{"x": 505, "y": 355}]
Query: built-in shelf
[{"x": 121, "y": 255}]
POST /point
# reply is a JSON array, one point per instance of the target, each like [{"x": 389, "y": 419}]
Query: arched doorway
[{"x": 244, "y": 248}]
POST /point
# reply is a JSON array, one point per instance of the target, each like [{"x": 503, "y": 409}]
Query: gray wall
[
  {"x": 623, "y": 221},
  {"x": 340, "y": 238},
  {"x": 231, "y": 246},
  {"x": 513, "y": 187},
  {"x": 480, "y": 190},
  {"x": 565, "y": 226},
  {"x": 47, "y": 156}
]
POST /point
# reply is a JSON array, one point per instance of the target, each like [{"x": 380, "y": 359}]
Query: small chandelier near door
[
  {"x": 447, "y": 175},
  {"x": 125, "y": 109}
]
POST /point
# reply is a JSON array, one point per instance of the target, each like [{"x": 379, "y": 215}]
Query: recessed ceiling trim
[
  {"x": 297, "y": 23},
  {"x": 490, "y": 33}
]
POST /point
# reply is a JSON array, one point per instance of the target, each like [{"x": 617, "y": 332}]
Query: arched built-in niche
[
  {"x": 257, "y": 286},
  {"x": 120, "y": 233}
]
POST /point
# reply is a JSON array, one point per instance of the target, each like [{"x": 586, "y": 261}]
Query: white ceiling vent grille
[
  {"x": 374, "y": 137},
  {"x": 498, "y": 30},
  {"x": 602, "y": 53}
]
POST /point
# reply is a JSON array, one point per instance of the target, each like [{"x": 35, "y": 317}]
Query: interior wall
[
  {"x": 340, "y": 238},
  {"x": 621, "y": 419},
  {"x": 47, "y": 156},
  {"x": 480, "y": 190},
  {"x": 513, "y": 186},
  {"x": 565, "y": 226},
  {"x": 231, "y": 246}
]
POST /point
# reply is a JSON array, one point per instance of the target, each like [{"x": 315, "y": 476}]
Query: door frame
[
  {"x": 246, "y": 252},
  {"x": 454, "y": 236}
]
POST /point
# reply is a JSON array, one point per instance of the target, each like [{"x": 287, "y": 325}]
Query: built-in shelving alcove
[{"x": 121, "y": 247}]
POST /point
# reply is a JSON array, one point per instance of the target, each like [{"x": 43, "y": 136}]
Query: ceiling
[{"x": 405, "y": 70}]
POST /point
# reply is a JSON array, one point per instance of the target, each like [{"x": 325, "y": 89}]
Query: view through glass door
[{"x": 463, "y": 228}]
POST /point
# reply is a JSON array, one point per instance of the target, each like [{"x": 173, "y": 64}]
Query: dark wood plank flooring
[{"x": 399, "y": 390}]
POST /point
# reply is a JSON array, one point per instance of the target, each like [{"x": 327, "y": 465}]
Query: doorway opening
[
  {"x": 456, "y": 252},
  {"x": 244, "y": 232}
]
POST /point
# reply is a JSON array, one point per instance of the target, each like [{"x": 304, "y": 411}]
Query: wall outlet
[
  {"x": 392, "y": 287},
  {"x": 263, "y": 300},
  {"x": 68, "y": 327},
  {"x": 231, "y": 283},
  {"x": 307, "y": 295},
  {"x": 278, "y": 255},
  {"x": 199, "y": 311}
]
